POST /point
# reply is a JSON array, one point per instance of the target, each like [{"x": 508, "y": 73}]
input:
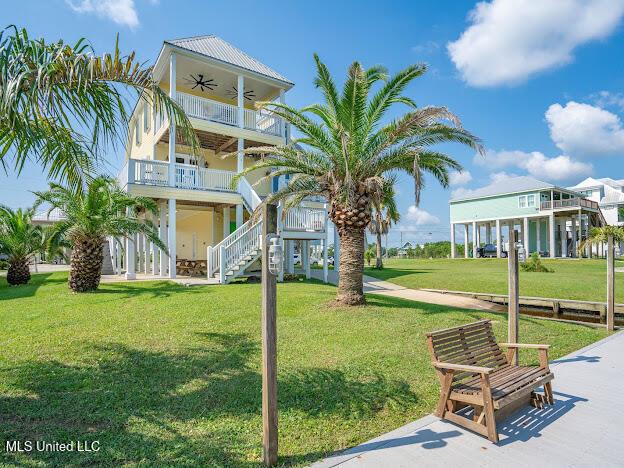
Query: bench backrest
[{"x": 473, "y": 344}]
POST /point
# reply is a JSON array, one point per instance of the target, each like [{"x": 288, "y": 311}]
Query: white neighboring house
[
  {"x": 609, "y": 194},
  {"x": 43, "y": 218}
]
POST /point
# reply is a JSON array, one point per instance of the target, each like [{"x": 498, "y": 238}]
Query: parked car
[
  {"x": 296, "y": 258},
  {"x": 319, "y": 261},
  {"x": 489, "y": 251}
]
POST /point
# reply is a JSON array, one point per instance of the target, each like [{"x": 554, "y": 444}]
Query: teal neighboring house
[{"x": 548, "y": 219}]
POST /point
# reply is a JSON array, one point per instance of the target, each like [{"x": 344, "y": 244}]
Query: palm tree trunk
[
  {"x": 379, "y": 261},
  {"x": 18, "y": 272},
  {"x": 350, "y": 287},
  {"x": 86, "y": 265}
]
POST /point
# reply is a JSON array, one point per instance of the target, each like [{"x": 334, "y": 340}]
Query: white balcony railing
[
  {"x": 569, "y": 203},
  {"x": 186, "y": 176},
  {"x": 214, "y": 111},
  {"x": 305, "y": 219}
]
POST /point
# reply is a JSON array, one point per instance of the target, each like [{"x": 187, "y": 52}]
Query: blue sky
[{"x": 540, "y": 82}]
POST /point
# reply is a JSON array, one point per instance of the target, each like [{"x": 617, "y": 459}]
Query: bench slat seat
[{"x": 474, "y": 372}]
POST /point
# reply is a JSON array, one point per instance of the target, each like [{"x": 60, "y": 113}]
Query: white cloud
[
  {"x": 510, "y": 40},
  {"x": 427, "y": 47},
  {"x": 583, "y": 130},
  {"x": 119, "y": 11},
  {"x": 538, "y": 165},
  {"x": 418, "y": 216},
  {"x": 460, "y": 178},
  {"x": 608, "y": 99},
  {"x": 500, "y": 176}
]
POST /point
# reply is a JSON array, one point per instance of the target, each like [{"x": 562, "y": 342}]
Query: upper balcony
[
  {"x": 568, "y": 203},
  {"x": 219, "y": 87}
]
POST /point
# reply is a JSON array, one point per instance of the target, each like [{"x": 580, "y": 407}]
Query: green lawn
[
  {"x": 572, "y": 279},
  {"x": 161, "y": 374}
]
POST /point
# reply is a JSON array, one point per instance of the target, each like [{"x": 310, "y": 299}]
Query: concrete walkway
[
  {"x": 377, "y": 286},
  {"x": 583, "y": 429}
]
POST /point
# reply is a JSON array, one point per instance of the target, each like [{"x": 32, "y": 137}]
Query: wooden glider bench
[{"x": 475, "y": 373}]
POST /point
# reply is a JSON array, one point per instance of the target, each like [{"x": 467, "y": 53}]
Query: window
[
  {"x": 522, "y": 201},
  {"x": 526, "y": 201},
  {"x": 137, "y": 133},
  {"x": 146, "y": 118},
  {"x": 531, "y": 200}
]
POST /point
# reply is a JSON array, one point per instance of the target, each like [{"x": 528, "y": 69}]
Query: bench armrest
[
  {"x": 524, "y": 345},
  {"x": 463, "y": 368}
]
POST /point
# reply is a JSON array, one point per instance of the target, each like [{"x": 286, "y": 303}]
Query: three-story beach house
[{"x": 204, "y": 220}]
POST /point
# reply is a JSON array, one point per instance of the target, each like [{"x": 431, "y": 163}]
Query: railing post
[
  {"x": 222, "y": 264},
  {"x": 131, "y": 169},
  {"x": 209, "y": 262}
]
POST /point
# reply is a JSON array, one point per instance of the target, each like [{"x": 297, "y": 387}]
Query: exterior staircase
[
  {"x": 233, "y": 256},
  {"x": 107, "y": 263}
]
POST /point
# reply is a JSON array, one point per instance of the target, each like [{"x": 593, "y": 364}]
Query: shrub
[{"x": 535, "y": 264}]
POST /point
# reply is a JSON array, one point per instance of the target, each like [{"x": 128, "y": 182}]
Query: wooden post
[
  {"x": 610, "y": 284},
  {"x": 513, "y": 310},
  {"x": 269, "y": 342}
]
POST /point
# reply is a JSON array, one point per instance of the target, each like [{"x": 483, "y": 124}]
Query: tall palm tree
[
  {"x": 61, "y": 105},
  {"x": 347, "y": 154},
  {"x": 101, "y": 210},
  {"x": 20, "y": 240},
  {"x": 384, "y": 214}
]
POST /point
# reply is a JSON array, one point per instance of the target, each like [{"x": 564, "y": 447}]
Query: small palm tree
[
  {"x": 99, "y": 211},
  {"x": 347, "y": 155},
  {"x": 600, "y": 235},
  {"x": 384, "y": 214},
  {"x": 20, "y": 240},
  {"x": 60, "y": 104}
]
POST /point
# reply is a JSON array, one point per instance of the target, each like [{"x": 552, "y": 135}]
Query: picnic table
[{"x": 185, "y": 267}]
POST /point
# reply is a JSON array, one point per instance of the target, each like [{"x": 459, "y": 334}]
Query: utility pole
[
  {"x": 269, "y": 341},
  {"x": 513, "y": 300}
]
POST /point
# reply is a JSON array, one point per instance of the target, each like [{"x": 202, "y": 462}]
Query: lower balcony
[
  {"x": 184, "y": 176},
  {"x": 576, "y": 202}
]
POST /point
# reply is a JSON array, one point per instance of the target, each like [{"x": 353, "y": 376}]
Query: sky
[{"x": 541, "y": 83}]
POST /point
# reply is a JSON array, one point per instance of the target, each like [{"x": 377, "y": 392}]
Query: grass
[
  {"x": 161, "y": 374},
  {"x": 572, "y": 279}
]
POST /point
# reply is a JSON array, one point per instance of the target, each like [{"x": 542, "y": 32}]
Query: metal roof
[
  {"x": 506, "y": 186},
  {"x": 216, "y": 48}
]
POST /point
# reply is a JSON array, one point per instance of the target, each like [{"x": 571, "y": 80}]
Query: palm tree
[
  {"x": 384, "y": 214},
  {"x": 347, "y": 155},
  {"x": 101, "y": 210},
  {"x": 61, "y": 105},
  {"x": 20, "y": 240},
  {"x": 609, "y": 235}
]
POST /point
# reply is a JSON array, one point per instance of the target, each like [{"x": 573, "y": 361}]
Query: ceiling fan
[
  {"x": 203, "y": 84},
  {"x": 233, "y": 93}
]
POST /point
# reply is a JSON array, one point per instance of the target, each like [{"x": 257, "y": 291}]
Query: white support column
[
  {"x": 226, "y": 221},
  {"x": 162, "y": 233},
  {"x": 172, "y": 237},
  {"x": 453, "y": 253},
  {"x": 499, "y": 239},
  {"x": 574, "y": 237},
  {"x": 538, "y": 234},
  {"x": 290, "y": 249},
  {"x": 306, "y": 258},
  {"x": 325, "y": 262},
  {"x": 551, "y": 235},
  {"x": 130, "y": 256},
  {"x": 336, "y": 250},
  {"x": 119, "y": 247},
  {"x": 241, "y": 101},
  {"x": 564, "y": 238},
  {"x": 172, "y": 129},
  {"x": 141, "y": 253},
  {"x": 488, "y": 233},
  {"x": 466, "y": 240},
  {"x": 148, "y": 256},
  {"x": 474, "y": 239},
  {"x": 525, "y": 231},
  {"x": 240, "y": 165}
]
